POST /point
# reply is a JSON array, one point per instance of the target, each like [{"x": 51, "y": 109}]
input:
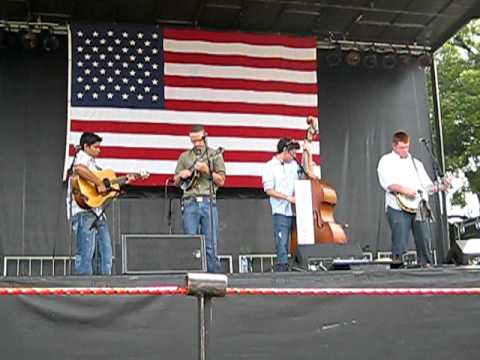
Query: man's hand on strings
[
  {"x": 101, "y": 188},
  {"x": 409, "y": 192},
  {"x": 202, "y": 167},
  {"x": 185, "y": 174}
]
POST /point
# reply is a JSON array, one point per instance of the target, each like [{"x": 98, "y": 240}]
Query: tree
[{"x": 458, "y": 64}]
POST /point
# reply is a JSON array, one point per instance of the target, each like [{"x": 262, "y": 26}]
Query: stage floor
[{"x": 248, "y": 327}]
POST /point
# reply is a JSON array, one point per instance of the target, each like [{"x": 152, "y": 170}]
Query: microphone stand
[
  {"x": 70, "y": 204},
  {"x": 211, "y": 193},
  {"x": 169, "y": 213},
  {"x": 436, "y": 166},
  {"x": 438, "y": 177},
  {"x": 301, "y": 168}
]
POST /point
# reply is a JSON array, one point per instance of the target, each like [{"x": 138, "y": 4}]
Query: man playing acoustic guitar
[
  {"x": 402, "y": 176},
  {"x": 93, "y": 247}
]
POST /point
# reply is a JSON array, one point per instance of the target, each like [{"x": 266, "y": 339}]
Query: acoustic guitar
[
  {"x": 186, "y": 184},
  {"x": 86, "y": 194}
]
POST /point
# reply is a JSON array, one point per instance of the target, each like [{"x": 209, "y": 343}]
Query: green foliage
[{"x": 458, "y": 64}]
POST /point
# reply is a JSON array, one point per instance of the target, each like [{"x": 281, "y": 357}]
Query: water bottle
[{"x": 243, "y": 264}]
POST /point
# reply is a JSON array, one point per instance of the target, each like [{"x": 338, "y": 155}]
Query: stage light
[
  {"x": 424, "y": 60},
  {"x": 9, "y": 40},
  {"x": 334, "y": 58},
  {"x": 29, "y": 39},
  {"x": 370, "y": 61},
  {"x": 353, "y": 57},
  {"x": 389, "y": 61},
  {"x": 49, "y": 41},
  {"x": 405, "y": 59},
  {"x": 2, "y": 37}
]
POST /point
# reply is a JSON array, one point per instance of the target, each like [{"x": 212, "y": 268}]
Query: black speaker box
[
  {"x": 154, "y": 253},
  {"x": 463, "y": 250},
  {"x": 308, "y": 253},
  {"x": 469, "y": 229}
]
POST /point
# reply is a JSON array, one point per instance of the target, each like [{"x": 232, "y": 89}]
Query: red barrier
[
  {"x": 161, "y": 290},
  {"x": 182, "y": 291}
]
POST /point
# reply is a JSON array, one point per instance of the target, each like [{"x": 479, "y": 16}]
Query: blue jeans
[
  {"x": 196, "y": 221},
  {"x": 93, "y": 247},
  {"x": 402, "y": 224},
  {"x": 282, "y": 226}
]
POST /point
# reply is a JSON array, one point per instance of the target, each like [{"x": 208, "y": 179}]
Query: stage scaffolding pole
[{"x": 444, "y": 244}]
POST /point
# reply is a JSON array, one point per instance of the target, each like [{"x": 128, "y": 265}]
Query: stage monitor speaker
[
  {"x": 464, "y": 242},
  {"x": 309, "y": 257},
  {"x": 469, "y": 229},
  {"x": 464, "y": 251},
  {"x": 155, "y": 253}
]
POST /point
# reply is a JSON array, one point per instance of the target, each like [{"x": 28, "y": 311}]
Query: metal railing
[
  {"x": 227, "y": 262},
  {"x": 256, "y": 263},
  {"x": 37, "y": 265},
  {"x": 34, "y": 265}
]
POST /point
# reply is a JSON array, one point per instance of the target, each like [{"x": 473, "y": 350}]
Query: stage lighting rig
[
  {"x": 389, "y": 60},
  {"x": 353, "y": 57},
  {"x": 2, "y": 37},
  {"x": 405, "y": 59},
  {"x": 334, "y": 58},
  {"x": 424, "y": 60},
  {"x": 370, "y": 61},
  {"x": 28, "y": 39},
  {"x": 49, "y": 40}
]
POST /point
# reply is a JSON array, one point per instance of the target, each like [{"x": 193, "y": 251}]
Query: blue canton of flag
[{"x": 117, "y": 66}]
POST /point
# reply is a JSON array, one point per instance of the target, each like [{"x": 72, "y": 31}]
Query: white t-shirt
[
  {"x": 392, "y": 169},
  {"x": 82, "y": 158}
]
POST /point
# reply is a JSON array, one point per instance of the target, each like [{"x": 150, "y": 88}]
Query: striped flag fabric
[{"x": 142, "y": 87}]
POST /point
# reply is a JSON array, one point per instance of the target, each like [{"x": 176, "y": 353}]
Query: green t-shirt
[{"x": 201, "y": 186}]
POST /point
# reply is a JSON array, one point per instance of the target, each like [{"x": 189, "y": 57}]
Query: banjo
[{"x": 411, "y": 204}]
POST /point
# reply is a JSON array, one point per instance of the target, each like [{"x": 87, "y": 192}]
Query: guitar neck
[{"x": 121, "y": 180}]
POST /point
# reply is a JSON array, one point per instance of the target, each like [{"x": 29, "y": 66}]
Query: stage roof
[{"x": 423, "y": 22}]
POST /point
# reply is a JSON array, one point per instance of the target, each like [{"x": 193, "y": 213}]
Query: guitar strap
[
  {"x": 98, "y": 217},
  {"x": 424, "y": 212}
]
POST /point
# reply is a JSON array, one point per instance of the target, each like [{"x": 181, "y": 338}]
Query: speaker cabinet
[
  {"x": 465, "y": 242},
  {"x": 156, "y": 253},
  {"x": 308, "y": 257}
]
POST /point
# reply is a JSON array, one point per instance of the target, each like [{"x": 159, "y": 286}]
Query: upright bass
[{"x": 324, "y": 198}]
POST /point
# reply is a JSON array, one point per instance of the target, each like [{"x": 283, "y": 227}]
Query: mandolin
[
  {"x": 188, "y": 183},
  {"x": 86, "y": 194}
]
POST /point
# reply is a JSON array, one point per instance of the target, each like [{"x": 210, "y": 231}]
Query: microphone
[
  {"x": 204, "y": 136},
  {"x": 423, "y": 141}
]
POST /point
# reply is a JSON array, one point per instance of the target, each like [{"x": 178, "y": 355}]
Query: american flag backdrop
[{"x": 142, "y": 87}]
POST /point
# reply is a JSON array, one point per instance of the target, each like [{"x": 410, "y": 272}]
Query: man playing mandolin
[
  {"x": 402, "y": 176},
  {"x": 93, "y": 247},
  {"x": 194, "y": 175}
]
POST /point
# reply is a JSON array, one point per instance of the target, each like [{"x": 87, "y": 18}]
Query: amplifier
[
  {"x": 469, "y": 229},
  {"x": 157, "y": 253},
  {"x": 465, "y": 242}
]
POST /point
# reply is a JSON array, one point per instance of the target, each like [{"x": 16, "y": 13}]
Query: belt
[{"x": 203, "y": 198}]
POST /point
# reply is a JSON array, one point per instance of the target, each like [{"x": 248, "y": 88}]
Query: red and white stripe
[{"x": 247, "y": 90}]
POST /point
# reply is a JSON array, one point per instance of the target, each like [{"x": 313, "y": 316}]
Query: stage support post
[
  {"x": 205, "y": 286},
  {"x": 444, "y": 244}
]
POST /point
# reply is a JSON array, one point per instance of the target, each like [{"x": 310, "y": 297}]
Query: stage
[{"x": 393, "y": 324}]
